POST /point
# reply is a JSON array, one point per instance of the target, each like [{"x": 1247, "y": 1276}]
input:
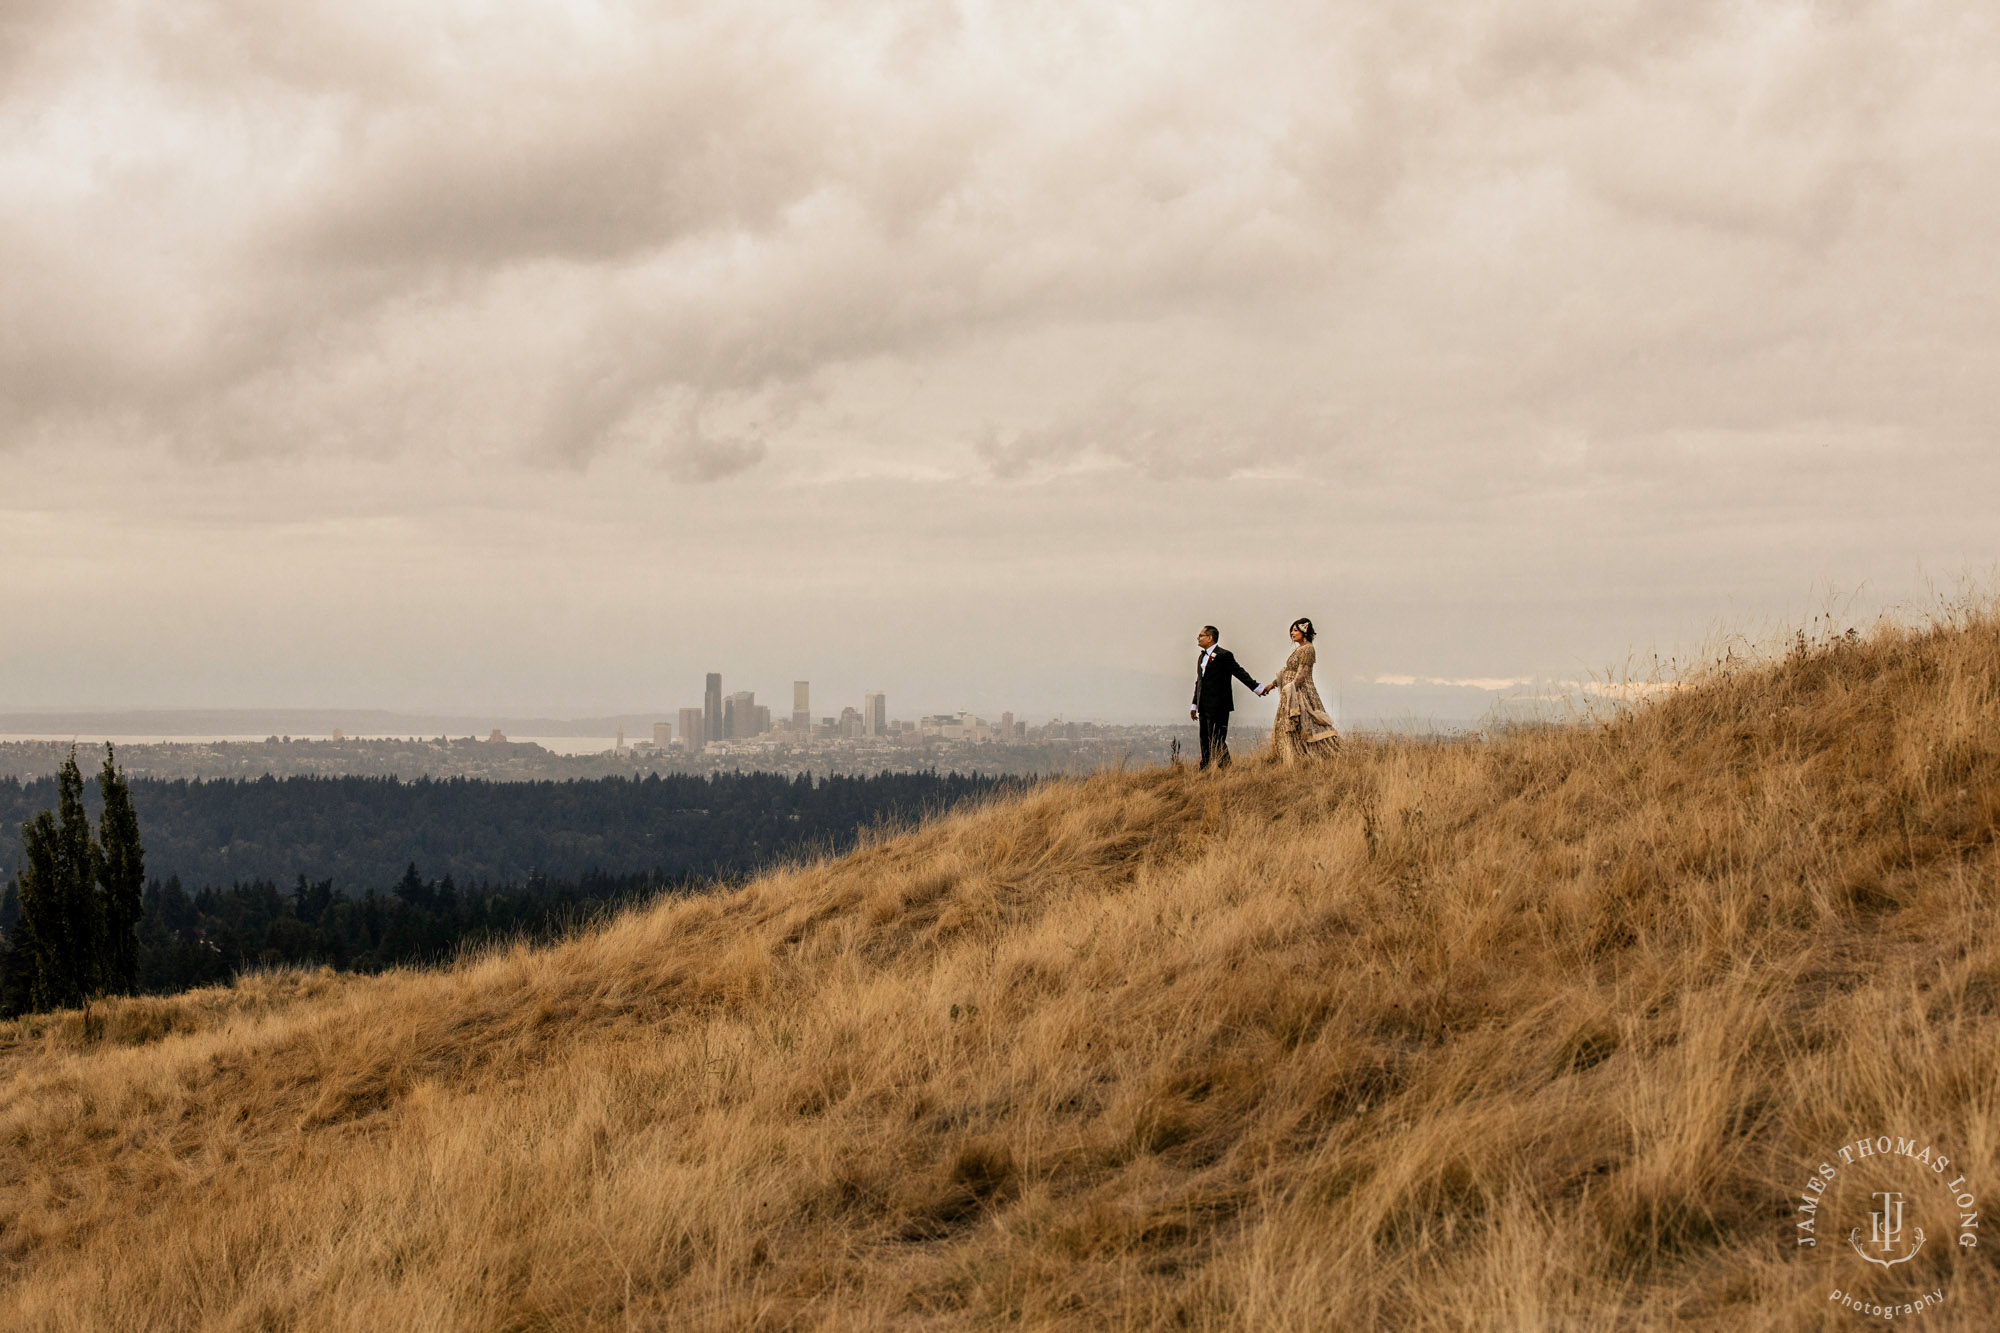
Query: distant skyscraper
[
  {"x": 711, "y": 707},
  {"x": 739, "y": 712},
  {"x": 802, "y": 709},
  {"x": 1006, "y": 727},
  {"x": 874, "y": 713},
  {"x": 760, "y": 719},
  {"x": 694, "y": 730},
  {"x": 663, "y": 735}
]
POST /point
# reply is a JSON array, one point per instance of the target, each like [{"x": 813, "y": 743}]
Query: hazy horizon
[{"x": 448, "y": 360}]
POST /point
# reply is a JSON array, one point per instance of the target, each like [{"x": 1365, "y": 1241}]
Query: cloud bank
[
  {"x": 1487, "y": 267},
  {"x": 1193, "y": 240}
]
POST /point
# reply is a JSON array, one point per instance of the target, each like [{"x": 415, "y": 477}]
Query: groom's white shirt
[{"x": 1207, "y": 655}]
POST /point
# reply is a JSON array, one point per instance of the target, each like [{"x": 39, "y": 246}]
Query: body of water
[{"x": 569, "y": 745}]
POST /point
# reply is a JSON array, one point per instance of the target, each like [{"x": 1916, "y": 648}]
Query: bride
[{"x": 1302, "y": 729}]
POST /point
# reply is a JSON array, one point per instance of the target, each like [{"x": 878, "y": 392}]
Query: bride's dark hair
[{"x": 1305, "y": 625}]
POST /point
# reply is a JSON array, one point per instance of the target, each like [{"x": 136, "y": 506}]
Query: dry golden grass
[{"x": 1538, "y": 1033}]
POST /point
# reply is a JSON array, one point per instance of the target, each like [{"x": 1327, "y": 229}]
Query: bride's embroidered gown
[{"x": 1302, "y": 730}]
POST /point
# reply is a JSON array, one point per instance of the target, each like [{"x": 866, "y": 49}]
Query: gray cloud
[
  {"x": 745, "y": 201},
  {"x": 33, "y": 34},
  {"x": 1165, "y": 441},
  {"x": 699, "y": 458}
]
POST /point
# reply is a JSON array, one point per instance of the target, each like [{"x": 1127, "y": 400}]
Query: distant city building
[
  {"x": 849, "y": 724},
  {"x": 498, "y": 737},
  {"x": 663, "y": 735},
  {"x": 760, "y": 719},
  {"x": 711, "y": 707},
  {"x": 802, "y": 712},
  {"x": 956, "y": 727},
  {"x": 874, "y": 713},
  {"x": 739, "y": 713},
  {"x": 339, "y": 735},
  {"x": 694, "y": 730},
  {"x": 1006, "y": 726},
  {"x": 618, "y": 746}
]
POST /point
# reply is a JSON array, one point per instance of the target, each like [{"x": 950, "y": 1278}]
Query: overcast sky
[{"x": 543, "y": 356}]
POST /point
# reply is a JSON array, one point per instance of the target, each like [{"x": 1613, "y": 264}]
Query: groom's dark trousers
[
  {"x": 1214, "y": 739},
  {"x": 1214, "y": 701}
]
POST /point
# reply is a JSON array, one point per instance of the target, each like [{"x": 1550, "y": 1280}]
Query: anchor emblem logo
[{"x": 1885, "y": 1231}]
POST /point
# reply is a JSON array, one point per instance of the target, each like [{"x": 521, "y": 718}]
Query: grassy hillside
[{"x": 1547, "y": 1032}]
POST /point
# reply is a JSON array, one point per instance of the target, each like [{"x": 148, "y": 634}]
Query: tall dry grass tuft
[{"x": 1544, "y": 1032}]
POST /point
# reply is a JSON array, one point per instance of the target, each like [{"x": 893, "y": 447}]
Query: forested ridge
[
  {"x": 361, "y": 832},
  {"x": 367, "y": 873},
  {"x": 206, "y": 937}
]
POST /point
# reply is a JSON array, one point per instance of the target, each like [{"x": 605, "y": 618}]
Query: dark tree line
[
  {"x": 75, "y": 909},
  {"x": 361, "y": 832},
  {"x": 588, "y": 848},
  {"x": 207, "y": 937}
]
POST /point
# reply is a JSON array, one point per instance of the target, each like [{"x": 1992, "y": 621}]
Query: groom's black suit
[{"x": 1214, "y": 701}]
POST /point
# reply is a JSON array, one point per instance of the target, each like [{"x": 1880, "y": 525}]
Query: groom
[{"x": 1214, "y": 697}]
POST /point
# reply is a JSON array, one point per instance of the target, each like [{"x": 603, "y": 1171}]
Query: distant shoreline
[
  {"x": 557, "y": 759},
  {"x": 564, "y": 745}
]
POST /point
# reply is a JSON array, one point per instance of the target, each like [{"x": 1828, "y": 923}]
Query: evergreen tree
[
  {"x": 122, "y": 873},
  {"x": 38, "y": 936},
  {"x": 412, "y": 889},
  {"x": 61, "y": 921},
  {"x": 15, "y": 996}
]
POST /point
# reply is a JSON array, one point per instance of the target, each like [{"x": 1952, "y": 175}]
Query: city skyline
[{"x": 737, "y": 715}]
